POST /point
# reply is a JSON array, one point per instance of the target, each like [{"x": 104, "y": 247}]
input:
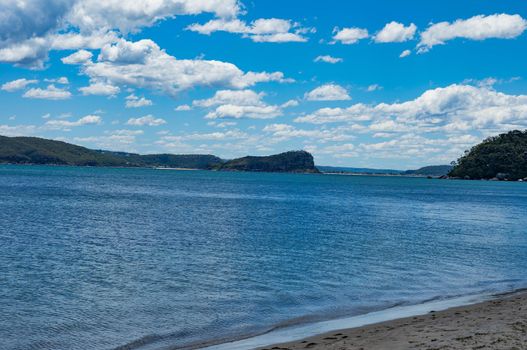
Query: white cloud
[
  {"x": 145, "y": 65},
  {"x": 66, "y": 124},
  {"x": 131, "y": 15},
  {"x": 24, "y": 24},
  {"x": 112, "y": 139},
  {"x": 455, "y": 108},
  {"x": 213, "y": 136},
  {"x": 182, "y": 108},
  {"x": 501, "y": 26},
  {"x": 147, "y": 120},
  {"x": 224, "y": 124},
  {"x": 74, "y": 41},
  {"x": 237, "y": 97},
  {"x": 395, "y": 32},
  {"x": 328, "y": 59},
  {"x": 101, "y": 89},
  {"x": 49, "y": 93},
  {"x": 290, "y": 103},
  {"x": 405, "y": 53},
  {"x": 61, "y": 80},
  {"x": 79, "y": 57},
  {"x": 17, "y": 130},
  {"x": 17, "y": 84},
  {"x": 241, "y": 104},
  {"x": 328, "y": 92},
  {"x": 261, "y": 30},
  {"x": 30, "y": 28},
  {"x": 354, "y": 113},
  {"x": 133, "y": 101},
  {"x": 349, "y": 35},
  {"x": 374, "y": 87},
  {"x": 252, "y": 112},
  {"x": 282, "y": 132}
]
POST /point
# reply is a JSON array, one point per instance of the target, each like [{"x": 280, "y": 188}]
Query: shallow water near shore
[{"x": 154, "y": 259}]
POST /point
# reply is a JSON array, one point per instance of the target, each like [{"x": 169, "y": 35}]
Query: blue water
[{"x": 101, "y": 258}]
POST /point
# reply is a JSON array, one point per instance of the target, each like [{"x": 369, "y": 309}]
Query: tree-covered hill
[
  {"x": 431, "y": 170},
  {"x": 503, "y": 156},
  {"x": 34, "y": 150},
  {"x": 292, "y": 161}
]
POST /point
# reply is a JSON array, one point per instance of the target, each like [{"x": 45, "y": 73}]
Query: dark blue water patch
[{"x": 108, "y": 257}]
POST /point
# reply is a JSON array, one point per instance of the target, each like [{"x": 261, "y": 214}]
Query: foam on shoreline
[{"x": 298, "y": 332}]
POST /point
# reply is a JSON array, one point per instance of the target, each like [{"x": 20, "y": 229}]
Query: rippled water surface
[{"x": 99, "y": 258}]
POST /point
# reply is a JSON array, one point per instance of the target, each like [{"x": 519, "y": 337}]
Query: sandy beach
[{"x": 500, "y": 323}]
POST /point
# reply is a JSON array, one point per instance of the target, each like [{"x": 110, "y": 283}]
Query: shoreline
[
  {"x": 400, "y": 324},
  {"x": 497, "y": 323}
]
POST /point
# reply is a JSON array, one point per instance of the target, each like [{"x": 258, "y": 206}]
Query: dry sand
[{"x": 500, "y": 323}]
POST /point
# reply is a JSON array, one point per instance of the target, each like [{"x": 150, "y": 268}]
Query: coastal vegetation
[
  {"x": 432, "y": 170},
  {"x": 34, "y": 150},
  {"x": 292, "y": 161},
  {"x": 502, "y": 157}
]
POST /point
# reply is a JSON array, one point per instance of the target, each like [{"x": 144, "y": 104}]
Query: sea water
[{"x": 101, "y": 258}]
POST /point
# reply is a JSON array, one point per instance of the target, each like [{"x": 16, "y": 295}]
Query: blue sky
[{"x": 370, "y": 84}]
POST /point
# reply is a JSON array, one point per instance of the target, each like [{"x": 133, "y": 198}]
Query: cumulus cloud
[
  {"x": 30, "y": 28},
  {"x": 182, "y": 108},
  {"x": 133, "y": 101},
  {"x": 235, "y": 97},
  {"x": 17, "y": 84},
  {"x": 131, "y": 15},
  {"x": 455, "y": 108},
  {"x": 143, "y": 64},
  {"x": 328, "y": 59},
  {"x": 112, "y": 139},
  {"x": 252, "y": 112},
  {"x": 212, "y": 136},
  {"x": 147, "y": 120},
  {"x": 261, "y": 30},
  {"x": 241, "y": 104},
  {"x": 405, "y": 53},
  {"x": 17, "y": 130},
  {"x": 500, "y": 26},
  {"x": 99, "y": 88},
  {"x": 79, "y": 57},
  {"x": 67, "y": 124},
  {"x": 374, "y": 87},
  {"x": 395, "y": 32},
  {"x": 51, "y": 92},
  {"x": 349, "y": 36},
  {"x": 283, "y": 132},
  {"x": 61, "y": 80},
  {"x": 328, "y": 92}
]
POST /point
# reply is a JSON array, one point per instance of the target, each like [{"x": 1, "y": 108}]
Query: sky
[{"x": 385, "y": 84}]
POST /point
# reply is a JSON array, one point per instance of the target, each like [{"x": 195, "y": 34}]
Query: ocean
[{"x": 105, "y": 258}]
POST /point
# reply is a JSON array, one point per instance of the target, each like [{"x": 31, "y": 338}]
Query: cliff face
[
  {"x": 288, "y": 162},
  {"x": 502, "y": 157}
]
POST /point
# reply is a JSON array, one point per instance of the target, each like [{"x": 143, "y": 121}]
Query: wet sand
[{"x": 500, "y": 323}]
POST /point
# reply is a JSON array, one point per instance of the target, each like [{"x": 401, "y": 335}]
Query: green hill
[
  {"x": 432, "y": 170},
  {"x": 291, "y": 162},
  {"x": 34, "y": 150},
  {"x": 503, "y": 156}
]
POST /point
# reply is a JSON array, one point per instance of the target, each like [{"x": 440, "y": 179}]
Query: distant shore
[{"x": 500, "y": 323}]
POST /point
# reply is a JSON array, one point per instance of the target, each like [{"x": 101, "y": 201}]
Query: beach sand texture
[{"x": 500, "y": 323}]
